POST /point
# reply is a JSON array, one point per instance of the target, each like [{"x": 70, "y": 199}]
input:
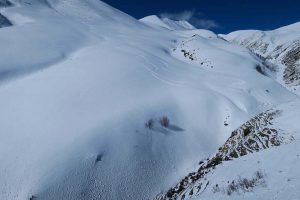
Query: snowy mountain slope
[
  {"x": 268, "y": 143},
  {"x": 280, "y": 47},
  {"x": 73, "y": 125},
  {"x": 73, "y": 21},
  {"x": 202, "y": 184},
  {"x": 43, "y": 44},
  {"x": 211, "y": 54},
  {"x": 155, "y": 21}
]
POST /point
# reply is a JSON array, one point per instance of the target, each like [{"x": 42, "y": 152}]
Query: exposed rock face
[
  {"x": 276, "y": 47},
  {"x": 292, "y": 62},
  {"x": 258, "y": 46},
  {"x": 255, "y": 135}
]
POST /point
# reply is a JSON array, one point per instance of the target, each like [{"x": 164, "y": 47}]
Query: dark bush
[
  {"x": 259, "y": 175},
  {"x": 33, "y": 197},
  {"x": 260, "y": 69},
  {"x": 246, "y": 184},
  {"x": 149, "y": 124},
  {"x": 242, "y": 184},
  {"x": 99, "y": 158},
  {"x": 164, "y": 121},
  {"x": 232, "y": 187}
]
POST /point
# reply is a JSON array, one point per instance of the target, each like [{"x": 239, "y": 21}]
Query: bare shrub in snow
[
  {"x": 242, "y": 184},
  {"x": 259, "y": 174},
  {"x": 32, "y": 197},
  {"x": 149, "y": 124},
  {"x": 232, "y": 187},
  {"x": 246, "y": 184},
  {"x": 164, "y": 121}
]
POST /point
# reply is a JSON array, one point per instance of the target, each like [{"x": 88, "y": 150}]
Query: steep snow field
[
  {"x": 258, "y": 161},
  {"x": 78, "y": 82},
  {"x": 278, "y": 165}
]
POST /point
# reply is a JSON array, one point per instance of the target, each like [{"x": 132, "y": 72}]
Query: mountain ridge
[
  {"x": 280, "y": 47},
  {"x": 155, "y": 21}
]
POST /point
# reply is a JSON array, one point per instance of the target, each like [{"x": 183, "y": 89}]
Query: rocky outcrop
[
  {"x": 191, "y": 53},
  {"x": 288, "y": 55},
  {"x": 255, "y": 135},
  {"x": 291, "y": 60},
  {"x": 269, "y": 46}
]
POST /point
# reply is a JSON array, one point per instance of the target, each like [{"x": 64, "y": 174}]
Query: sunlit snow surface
[{"x": 78, "y": 82}]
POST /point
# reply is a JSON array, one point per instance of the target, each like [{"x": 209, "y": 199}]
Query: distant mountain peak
[{"x": 156, "y": 21}]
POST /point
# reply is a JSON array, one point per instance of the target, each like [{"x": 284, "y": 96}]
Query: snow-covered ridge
[
  {"x": 256, "y": 135},
  {"x": 155, "y": 21},
  {"x": 280, "y": 47}
]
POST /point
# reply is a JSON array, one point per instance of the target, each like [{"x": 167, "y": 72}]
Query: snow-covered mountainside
[
  {"x": 155, "y": 21},
  {"x": 263, "y": 141},
  {"x": 280, "y": 48},
  {"x": 98, "y": 105},
  {"x": 258, "y": 161}
]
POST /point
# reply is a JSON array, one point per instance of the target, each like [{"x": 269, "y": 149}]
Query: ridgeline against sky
[{"x": 218, "y": 15}]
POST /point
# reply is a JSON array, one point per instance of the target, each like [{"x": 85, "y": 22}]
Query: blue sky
[{"x": 221, "y": 16}]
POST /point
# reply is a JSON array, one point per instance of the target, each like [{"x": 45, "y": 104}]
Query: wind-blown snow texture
[{"x": 78, "y": 82}]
